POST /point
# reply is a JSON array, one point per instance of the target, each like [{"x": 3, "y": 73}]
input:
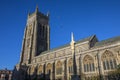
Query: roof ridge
[
  {"x": 109, "y": 40},
  {"x": 66, "y": 45}
]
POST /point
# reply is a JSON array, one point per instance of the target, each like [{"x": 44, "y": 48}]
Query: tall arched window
[
  {"x": 108, "y": 60},
  {"x": 88, "y": 63},
  {"x": 59, "y": 68},
  {"x": 28, "y": 70},
  {"x": 49, "y": 68},
  {"x": 32, "y": 70},
  {"x": 40, "y": 69},
  {"x": 70, "y": 66}
]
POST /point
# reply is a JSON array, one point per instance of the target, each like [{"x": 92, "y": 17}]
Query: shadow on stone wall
[{"x": 21, "y": 74}]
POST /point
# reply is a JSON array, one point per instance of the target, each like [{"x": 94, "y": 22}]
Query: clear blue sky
[{"x": 83, "y": 17}]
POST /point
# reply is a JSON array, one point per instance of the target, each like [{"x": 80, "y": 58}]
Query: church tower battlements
[
  {"x": 36, "y": 36},
  {"x": 85, "y": 59}
]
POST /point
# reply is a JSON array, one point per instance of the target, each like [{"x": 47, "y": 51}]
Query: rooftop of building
[
  {"x": 108, "y": 41},
  {"x": 3, "y": 71},
  {"x": 97, "y": 44}
]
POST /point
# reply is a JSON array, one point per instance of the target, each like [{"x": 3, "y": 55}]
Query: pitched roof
[
  {"x": 100, "y": 43},
  {"x": 80, "y": 41},
  {"x": 56, "y": 48},
  {"x": 107, "y": 41},
  {"x": 86, "y": 39}
]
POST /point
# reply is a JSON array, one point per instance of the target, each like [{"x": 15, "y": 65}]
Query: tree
[
  {"x": 118, "y": 67},
  {"x": 115, "y": 74}
]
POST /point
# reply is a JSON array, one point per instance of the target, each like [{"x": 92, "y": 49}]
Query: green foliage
[
  {"x": 118, "y": 67},
  {"x": 115, "y": 72},
  {"x": 42, "y": 79},
  {"x": 35, "y": 78}
]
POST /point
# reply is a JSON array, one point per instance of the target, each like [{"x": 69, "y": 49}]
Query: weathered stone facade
[{"x": 92, "y": 57}]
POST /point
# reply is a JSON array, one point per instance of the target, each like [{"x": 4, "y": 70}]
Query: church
[{"x": 87, "y": 58}]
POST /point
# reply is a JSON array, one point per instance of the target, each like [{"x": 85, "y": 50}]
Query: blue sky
[{"x": 82, "y": 17}]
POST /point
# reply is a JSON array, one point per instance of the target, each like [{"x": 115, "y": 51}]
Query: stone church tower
[
  {"x": 36, "y": 36},
  {"x": 86, "y": 59}
]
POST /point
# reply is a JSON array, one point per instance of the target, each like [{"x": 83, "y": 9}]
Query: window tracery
[
  {"x": 59, "y": 68},
  {"x": 70, "y": 66},
  {"x": 108, "y": 60},
  {"x": 118, "y": 53},
  {"x": 49, "y": 68},
  {"x": 28, "y": 71},
  {"x": 40, "y": 69},
  {"x": 32, "y": 70},
  {"x": 29, "y": 32},
  {"x": 88, "y": 64}
]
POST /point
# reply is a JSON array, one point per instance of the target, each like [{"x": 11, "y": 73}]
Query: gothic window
[
  {"x": 71, "y": 69},
  {"x": 28, "y": 42},
  {"x": 118, "y": 53},
  {"x": 49, "y": 68},
  {"x": 70, "y": 66},
  {"x": 90, "y": 67},
  {"x": 40, "y": 69},
  {"x": 43, "y": 31},
  {"x": 29, "y": 32},
  {"x": 104, "y": 65},
  {"x": 111, "y": 64},
  {"x": 59, "y": 68},
  {"x": 108, "y": 66},
  {"x": 108, "y": 60},
  {"x": 40, "y": 29},
  {"x": 88, "y": 64},
  {"x": 114, "y": 63},
  {"x": 32, "y": 70},
  {"x": 28, "y": 71},
  {"x": 93, "y": 67},
  {"x": 48, "y": 71},
  {"x": 85, "y": 68}
]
